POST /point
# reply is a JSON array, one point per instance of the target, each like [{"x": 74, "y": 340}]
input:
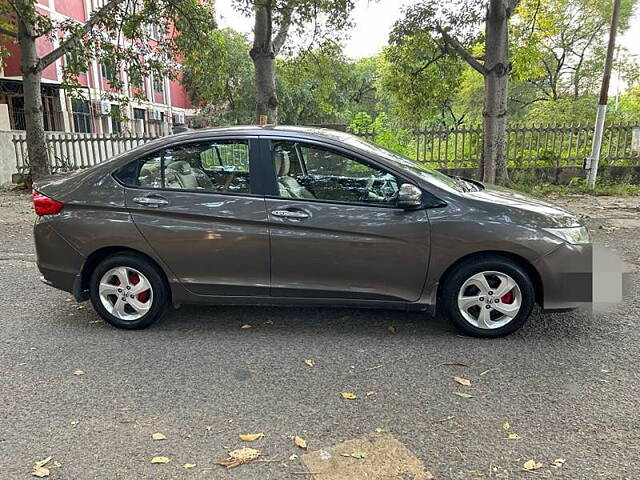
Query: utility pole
[{"x": 592, "y": 162}]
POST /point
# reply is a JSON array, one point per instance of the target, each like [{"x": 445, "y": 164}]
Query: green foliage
[
  {"x": 420, "y": 79},
  {"x": 314, "y": 86},
  {"x": 218, "y": 76}
]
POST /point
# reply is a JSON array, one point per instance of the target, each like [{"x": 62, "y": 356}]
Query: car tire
[
  {"x": 119, "y": 293},
  {"x": 468, "y": 302}
]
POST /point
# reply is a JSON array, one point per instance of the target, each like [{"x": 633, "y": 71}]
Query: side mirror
[{"x": 409, "y": 196}]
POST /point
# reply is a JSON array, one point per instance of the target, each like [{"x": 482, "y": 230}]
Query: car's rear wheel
[
  {"x": 128, "y": 291},
  {"x": 488, "y": 296}
]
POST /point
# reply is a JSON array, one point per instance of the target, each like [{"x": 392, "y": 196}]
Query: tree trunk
[
  {"x": 264, "y": 62},
  {"x": 33, "y": 109},
  {"x": 494, "y": 166}
]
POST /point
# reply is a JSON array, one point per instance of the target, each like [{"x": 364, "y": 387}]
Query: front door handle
[
  {"x": 151, "y": 201},
  {"x": 294, "y": 214}
]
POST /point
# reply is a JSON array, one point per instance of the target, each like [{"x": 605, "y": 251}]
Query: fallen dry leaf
[
  {"x": 39, "y": 469},
  {"x": 463, "y": 395},
  {"x": 506, "y": 426},
  {"x": 358, "y": 455},
  {"x": 158, "y": 436},
  {"x": 160, "y": 459},
  {"x": 251, "y": 437},
  {"x": 77, "y": 373},
  {"x": 453, "y": 364},
  {"x": 40, "y": 472},
  {"x": 189, "y": 465},
  {"x": 349, "y": 395},
  {"x": 240, "y": 456},
  {"x": 513, "y": 436},
  {"x": 309, "y": 362},
  {"x": 392, "y": 329},
  {"x": 531, "y": 465},
  {"x": 293, "y": 457},
  {"x": 299, "y": 441},
  {"x": 462, "y": 381},
  {"x": 558, "y": 462},
  {"x": 246, "y": 326}
]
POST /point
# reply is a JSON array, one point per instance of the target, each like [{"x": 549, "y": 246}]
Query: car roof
[{"x": 270, "y": 130}]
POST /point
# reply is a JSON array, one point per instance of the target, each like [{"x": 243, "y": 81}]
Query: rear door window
[{"x": 213, "y": 166}]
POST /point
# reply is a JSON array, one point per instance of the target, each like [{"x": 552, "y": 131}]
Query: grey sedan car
[{"x": 302, "y": 216}]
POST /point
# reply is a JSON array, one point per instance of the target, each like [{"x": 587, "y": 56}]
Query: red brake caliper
[
  {"x": 135, "y": 279},
  {"x": 507, "y": 298}
]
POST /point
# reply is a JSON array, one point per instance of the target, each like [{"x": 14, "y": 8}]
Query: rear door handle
[
  {"x": 151, "y": 201},
  {"x": 294, "y": 214}
]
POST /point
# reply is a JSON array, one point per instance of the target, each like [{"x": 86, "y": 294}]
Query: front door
[
  {"x": 335, "y": 229},
  {"x": 194, "y": 203}
]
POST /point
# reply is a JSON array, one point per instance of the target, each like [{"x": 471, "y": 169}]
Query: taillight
[{"x": 44, "y": 205}]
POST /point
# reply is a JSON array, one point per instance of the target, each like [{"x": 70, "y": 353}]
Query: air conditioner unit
[
  {"x": 105, "y": 107},
  {"x": 178, "y": 118}
]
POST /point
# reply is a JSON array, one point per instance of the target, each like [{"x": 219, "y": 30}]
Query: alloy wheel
[
  {"x": 125, "y": 293},
  {"x": 489, "y": 299}
]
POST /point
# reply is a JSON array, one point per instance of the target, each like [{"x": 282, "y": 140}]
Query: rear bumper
[
  {"x": 59, "y": 263},
  {"x": 567, "y": 277}
]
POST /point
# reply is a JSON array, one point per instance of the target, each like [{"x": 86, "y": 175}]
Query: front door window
[{"x": 311, "y": 172}]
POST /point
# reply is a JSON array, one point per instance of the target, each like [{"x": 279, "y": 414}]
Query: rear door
[
  {"x": 335, "y": 229},
  {"x": 195, "y": 203}
]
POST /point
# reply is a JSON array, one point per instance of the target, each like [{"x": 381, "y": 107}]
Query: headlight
[{"x": 574, "y": 235}]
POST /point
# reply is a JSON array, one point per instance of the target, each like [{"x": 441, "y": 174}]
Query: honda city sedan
[{"x": 302, "y": 216}]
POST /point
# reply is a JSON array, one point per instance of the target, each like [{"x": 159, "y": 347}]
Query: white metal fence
[
  {"x": 73, "y": 151},
  {"x": 439, "y": 147},
  {"x": 527, "y": 146}
]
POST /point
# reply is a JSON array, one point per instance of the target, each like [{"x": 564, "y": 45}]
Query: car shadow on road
[{"x": 358, "y": 322}]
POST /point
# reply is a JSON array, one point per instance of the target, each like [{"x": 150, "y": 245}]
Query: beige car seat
[
  {"x": 186, "y": 176},
  {"x": 287, "y": 185}
]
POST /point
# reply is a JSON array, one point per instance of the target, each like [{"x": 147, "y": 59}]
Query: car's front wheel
[
  {"x": 488, "y": 296},
  {"x": 128, "y": 291}
]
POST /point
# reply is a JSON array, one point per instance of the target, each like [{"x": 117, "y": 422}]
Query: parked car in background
[{"x": 302, "y": 216}]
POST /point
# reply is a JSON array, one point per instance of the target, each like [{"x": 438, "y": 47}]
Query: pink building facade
[{"x": 165, "y": 103}]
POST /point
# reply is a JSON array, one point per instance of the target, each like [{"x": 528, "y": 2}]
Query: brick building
[{"x": 165, "y": 103}]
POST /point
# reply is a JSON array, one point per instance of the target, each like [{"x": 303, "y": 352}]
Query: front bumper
[{"x": 567, "y": 276}]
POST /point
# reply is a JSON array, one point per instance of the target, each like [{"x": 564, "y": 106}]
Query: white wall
[{"x": 7, "y": 157}]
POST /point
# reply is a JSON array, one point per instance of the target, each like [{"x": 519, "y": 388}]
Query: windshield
[{"x": 410, "y": 166}]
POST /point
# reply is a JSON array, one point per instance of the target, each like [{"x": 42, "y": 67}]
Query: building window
[
  {"x": 82, "y": 121},
  {"x": 139, "y": 121},
  {"x": 108, "y": 72},
  {"x": 51, "y": 114},
  {"x": 116, "y": 120},
  {"x": 158, "y": 84}
]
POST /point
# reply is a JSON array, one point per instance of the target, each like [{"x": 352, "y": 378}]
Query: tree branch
[
  {"x": 8, "y": 33},
  {"x": 460, "y": 50},
  {"x": 281, "y": 36},
  {"x": 70, "y": 42},
  {"x": 512, "y": 5},
  {"x": 428, "y": 64}
]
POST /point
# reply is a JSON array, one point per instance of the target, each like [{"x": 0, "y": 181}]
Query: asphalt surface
[{"x": 567, "y": 384}]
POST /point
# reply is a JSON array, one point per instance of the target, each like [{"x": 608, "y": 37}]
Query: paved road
[{"x": 567, "y": 383}]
